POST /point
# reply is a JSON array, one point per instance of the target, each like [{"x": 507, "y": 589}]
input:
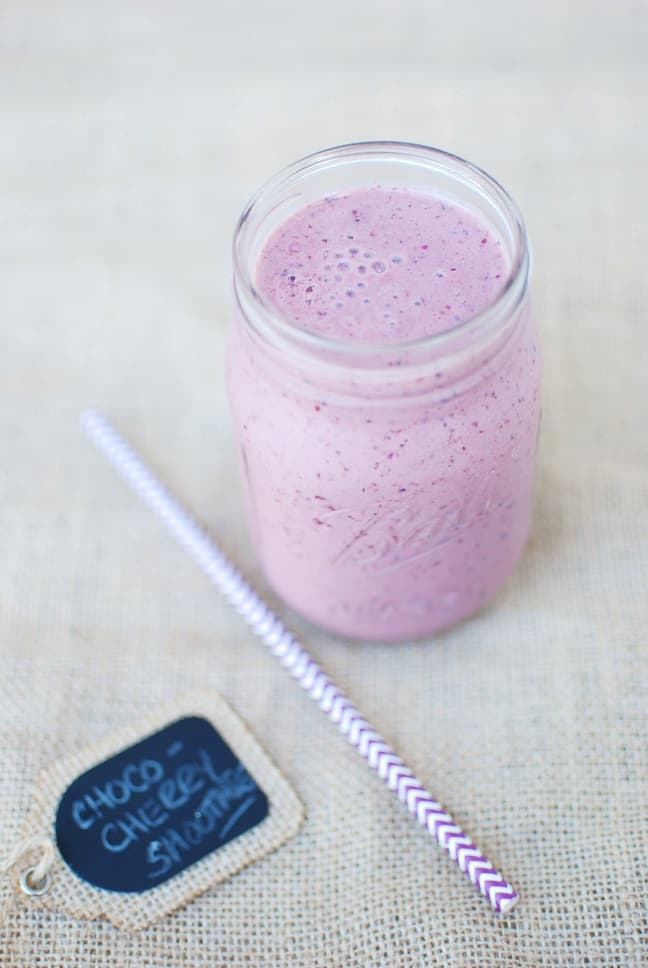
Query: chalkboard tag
[
  {"x": 156, "y": 814},
  {"x": 144, "y": 815}
]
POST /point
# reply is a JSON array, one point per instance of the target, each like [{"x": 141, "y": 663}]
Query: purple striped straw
[{"x": 294, "y": 657}]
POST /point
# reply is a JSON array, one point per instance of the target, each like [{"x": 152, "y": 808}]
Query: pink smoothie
[
  {"x": 381, "y": 265},
  {"x": 385, "y": 518}
]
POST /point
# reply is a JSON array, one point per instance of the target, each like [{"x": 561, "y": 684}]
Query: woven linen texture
[{"x": 132, "y": 135}]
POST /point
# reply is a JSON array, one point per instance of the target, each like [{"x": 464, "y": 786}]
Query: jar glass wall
[{"x": 388, "y": 482}]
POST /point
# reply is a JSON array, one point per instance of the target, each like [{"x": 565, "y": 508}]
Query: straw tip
[
  {"x": 87, "y": 417},
  {"x": 507, "y": 904},
  {"x": 93, "y": 423}
]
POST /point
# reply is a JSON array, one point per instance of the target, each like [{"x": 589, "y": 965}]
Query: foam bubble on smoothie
[{"x": 379, "y": 263}]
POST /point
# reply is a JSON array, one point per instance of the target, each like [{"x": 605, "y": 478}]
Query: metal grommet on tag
[
  {"x": 35, "y": 880},
  {"x": 28, "y": 887}
]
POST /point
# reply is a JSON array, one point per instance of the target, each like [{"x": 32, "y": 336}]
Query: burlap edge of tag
[{"x": 132, "y": 912}]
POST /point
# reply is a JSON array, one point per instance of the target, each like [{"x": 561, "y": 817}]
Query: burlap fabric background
[{"x": 131, "y": 134}]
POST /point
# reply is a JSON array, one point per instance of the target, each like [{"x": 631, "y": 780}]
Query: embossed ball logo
[{"x": 385, "y": 536}]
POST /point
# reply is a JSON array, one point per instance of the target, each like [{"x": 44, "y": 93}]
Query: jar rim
[{"x": 505, "y": 303}]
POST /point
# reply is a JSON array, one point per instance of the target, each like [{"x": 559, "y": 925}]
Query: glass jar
[{"x": 388, "y": 485}]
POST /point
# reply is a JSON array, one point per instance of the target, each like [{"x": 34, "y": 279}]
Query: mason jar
[{"x": 388, "y": 484}]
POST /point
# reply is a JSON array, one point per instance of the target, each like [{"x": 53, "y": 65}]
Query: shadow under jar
[{"x": 383, "y": 375}]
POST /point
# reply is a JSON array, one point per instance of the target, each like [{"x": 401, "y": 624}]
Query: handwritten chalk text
[{"x": 170, "y": 792}]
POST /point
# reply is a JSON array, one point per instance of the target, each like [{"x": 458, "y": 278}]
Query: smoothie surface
[{"x": 381, "y": 264}]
